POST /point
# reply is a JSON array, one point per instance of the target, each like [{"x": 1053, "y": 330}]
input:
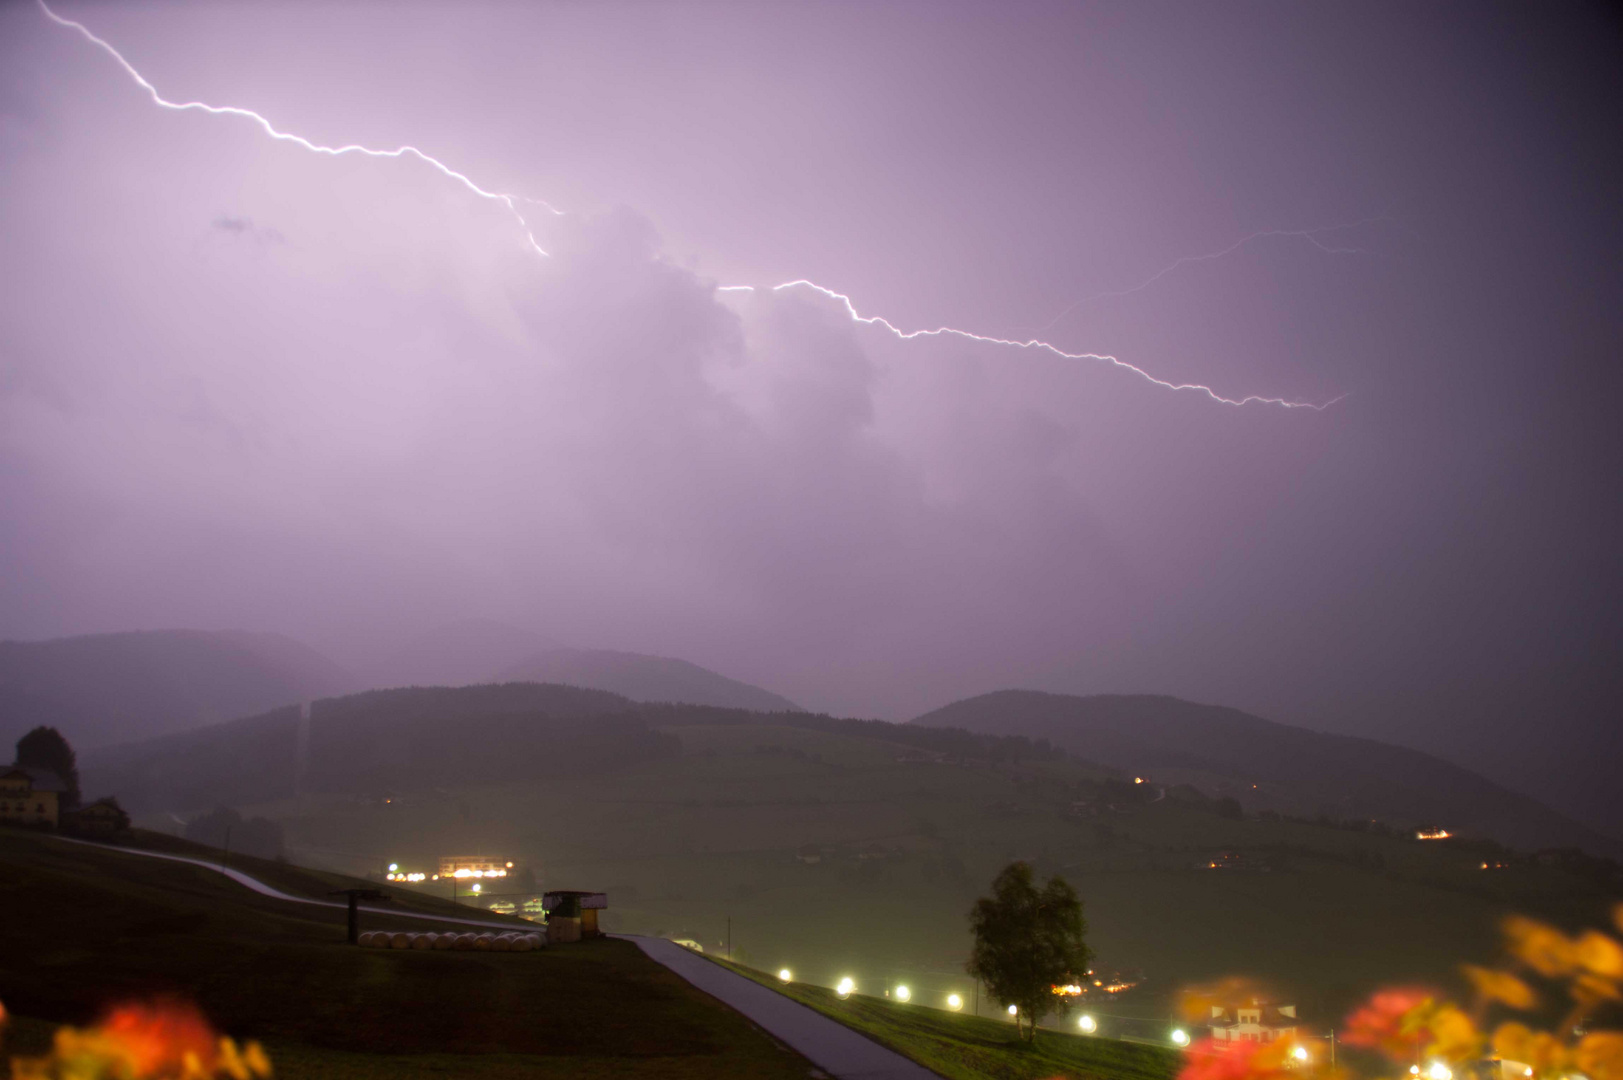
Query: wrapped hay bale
[
  {"x": 501, "y": 943},
  {"x": 465, "y": 941},
  {"x": 367, "y": 940},
  {"x": 522, "y": 943},
  {"x": 537, "y": 941},
  {"x": 422, "y": 941},
  {"x": 400, "y": 941},
  {"x": 482, "y": 943},
  {"x": 445, "y": 941}
]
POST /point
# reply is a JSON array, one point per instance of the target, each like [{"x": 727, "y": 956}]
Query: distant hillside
[
  {"x": 457, "y": 654},
  {"x": 379, "y": 741},
  {"x": 645, "y": 678},
  {"x": 1270, "y": 765},
  {"x": 106, "y": 688}
]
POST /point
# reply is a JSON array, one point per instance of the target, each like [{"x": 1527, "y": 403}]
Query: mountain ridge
[{"x": 1265, "y": 764}]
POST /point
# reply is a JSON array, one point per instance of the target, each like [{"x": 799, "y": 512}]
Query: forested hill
[
  {"x": 1269, "y": 765},
  {"x": 645, "y": 678},
  {"x": 421, "y": 737},
  {"x": 107, "y": 688}
]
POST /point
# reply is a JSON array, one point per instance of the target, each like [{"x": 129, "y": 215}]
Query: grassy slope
[
  {"x": 682, "y": 844},
  {"x": 976, "y": 1048},
  {"x": 81, "y": 928}
]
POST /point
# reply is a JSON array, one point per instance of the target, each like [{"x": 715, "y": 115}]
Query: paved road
[
  {"x": 828, "y": 1044},
  {"x": 263, "y": 889}
]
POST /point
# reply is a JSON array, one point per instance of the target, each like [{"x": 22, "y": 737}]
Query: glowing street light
[
  {"x": 394, "y": 866},
  {"x": 476, "y": 886},
  {"x": 1088, "y": 1024},
  {"x": 954, "y": 1002},
  {"x": 1300, "y": 1054},
  {"x": 845, "y": 987},
  {"x": 784, "y": 974},
  {"x": 1180, "y": 1036},
  {"x": 903, "y": 993},
  {"x": 1014, "y": 1010},
  {"x": 1439, "y": 1071}
]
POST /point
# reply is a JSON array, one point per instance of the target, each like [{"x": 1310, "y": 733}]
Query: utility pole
[
  {"x": 729, "y": 937},
  {"x": 225, "y": 854},
  {"x": 355, "y": 896}
]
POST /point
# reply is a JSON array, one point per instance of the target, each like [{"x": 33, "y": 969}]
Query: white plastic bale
[
  {"x": 522, "y": 943},
  {"x": 445, "y": 941},
  {"x": 482, "y": 943},
  {"x": 465, "y": 941},
  {"x": 400, "y": 940},
  {"x": 538, "y": 941},
  {"x": 502, "y": 943}
]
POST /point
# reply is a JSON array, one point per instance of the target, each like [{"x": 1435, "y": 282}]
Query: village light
[
  {"x": 1088, "y": 1024},
  {"x": 1414, "y": 1070},
  {"x": 784, "y": 975},
  {"x": 1014, "y": 1010},
  {"x": 903, "y": 993},
  {"x": 1439, "y": 1071},
  {"x": 1180, "y": 1036},
  {"x": 845, "y": 987},
  {"x": 476, "y": 886},
  {"x": 1300, "y": 1053},
  {"x": 954, "y": 1002},
  {"x": 393, "y": 867}
]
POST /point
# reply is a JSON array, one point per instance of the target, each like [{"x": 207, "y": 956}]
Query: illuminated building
[
  {"x": 463, "y": 867},
  {"x": 1433, "y": 834},
  {"x": 1255, "y": 1021},
  {"x": 30, "y": 797}
]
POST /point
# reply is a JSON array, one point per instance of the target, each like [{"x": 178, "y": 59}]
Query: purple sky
[{"x": 243, "y": 385}]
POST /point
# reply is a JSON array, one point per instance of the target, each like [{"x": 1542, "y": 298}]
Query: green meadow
[{"x": 838, "y": 856}]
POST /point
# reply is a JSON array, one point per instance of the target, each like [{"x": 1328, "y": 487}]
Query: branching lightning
[
  {"x": 512, "y": 203},
  {"x": 509, "y": 201},
  {"x": 1310, "y": 235}
]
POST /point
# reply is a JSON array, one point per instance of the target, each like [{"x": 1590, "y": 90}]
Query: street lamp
[
  {"x": 1180, "y": 1036},
  {"x": 954, "y": 1002},
  {"x": 1088, "y": 1024},
  {"x": 784, "y": 975},
  {"x": 903, "y": 993}
]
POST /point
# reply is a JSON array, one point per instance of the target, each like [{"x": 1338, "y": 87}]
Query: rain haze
[{"x": 1354, "y": 467}]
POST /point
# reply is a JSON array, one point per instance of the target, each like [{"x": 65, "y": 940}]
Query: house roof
[{"x": 40, "y": 779}]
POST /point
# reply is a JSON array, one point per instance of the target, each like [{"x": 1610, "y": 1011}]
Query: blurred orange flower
[
  {"x": 1541, "y": 947},
  {"x": 1600, "y": 1055},
  {"x": 1500, "y": 986},
  {"x": 164, "y": 1040}
]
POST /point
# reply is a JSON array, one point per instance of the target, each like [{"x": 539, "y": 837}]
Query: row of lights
[
  {"x": 847, "y": 986},
  {"x": 395, "y": 874}
]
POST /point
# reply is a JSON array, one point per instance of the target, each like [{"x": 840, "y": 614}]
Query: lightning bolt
[
  {"x": 509, "y": 201},
  {"x": 1310, "y": 235},
  {"x": 512, "y": 202}
]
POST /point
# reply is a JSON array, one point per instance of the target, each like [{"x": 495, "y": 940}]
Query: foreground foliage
[{"x": 1421, "y": 1033}]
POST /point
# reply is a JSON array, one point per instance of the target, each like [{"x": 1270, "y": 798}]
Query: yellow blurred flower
[
  {"x": 1540, "y": 946},
  {"x": 1600, "y": 954},
  {"x": 1454, "y": 1037},
  {"x": 1500, "y": 986},
  {"x": 1600, "y": 1055},
  {"x": 1539, "y": 1050}
]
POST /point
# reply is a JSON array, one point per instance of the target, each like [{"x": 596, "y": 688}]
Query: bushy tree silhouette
[
  {"x": 1027, "y": 941},
  {"x": 45, "y": 748}
]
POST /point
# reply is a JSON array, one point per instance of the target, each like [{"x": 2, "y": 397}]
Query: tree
[
  {"x": 45, "y": 748},
  {"x": 1027, "y": 941}
]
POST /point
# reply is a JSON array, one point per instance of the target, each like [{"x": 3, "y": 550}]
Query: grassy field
[
  {"x": 977, "y": 1048},
  {"x": 83, "y": 928},
  {"x": 903, "y": 846}
]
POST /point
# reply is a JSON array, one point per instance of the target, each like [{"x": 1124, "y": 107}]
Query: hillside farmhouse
[
  {"x": 1255, "y": 1021},
  {"x": 30, "y": 797}
]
